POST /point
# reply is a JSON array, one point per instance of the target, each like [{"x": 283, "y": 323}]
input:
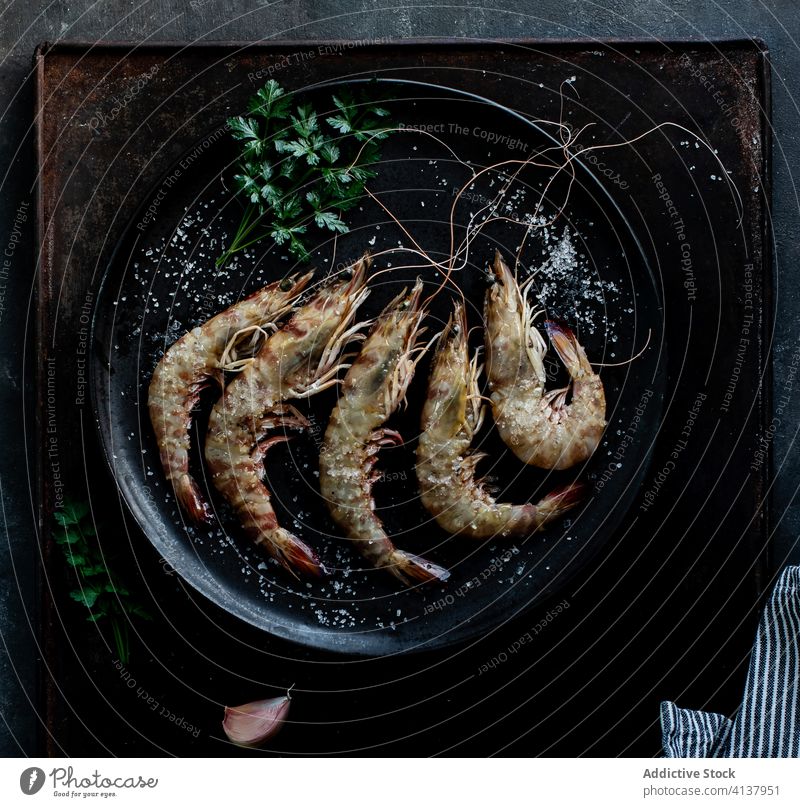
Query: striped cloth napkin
[{"x": 768, "y": 721}]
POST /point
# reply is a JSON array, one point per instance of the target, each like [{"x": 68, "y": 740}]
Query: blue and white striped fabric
[{"x": 768, "y": 721}]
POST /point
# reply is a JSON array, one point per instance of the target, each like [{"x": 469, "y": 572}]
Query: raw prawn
[
  {"x": 540, "y": 427},
  {"x": 372, "y": 390},
  {"x": 300, "y": 359},
  {"x": 451, "y": 416},
  {"x": 188, "y": 366}
]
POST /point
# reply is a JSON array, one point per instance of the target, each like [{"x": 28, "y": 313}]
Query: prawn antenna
[{"x": 627, "y": 361}]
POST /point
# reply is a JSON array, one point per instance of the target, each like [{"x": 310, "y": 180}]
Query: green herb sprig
[
  {"x": 97, "y": 590},
  {"x": 297, "y": 170}
]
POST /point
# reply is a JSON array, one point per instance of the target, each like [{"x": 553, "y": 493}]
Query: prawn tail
[
  {"x": 408, "y": 568},
  {"x": 191, "y": 500},
  {"x": 558, "y": 502},
  {"x": 295, "y": 556},
  {"x": 569, "y": 350}
]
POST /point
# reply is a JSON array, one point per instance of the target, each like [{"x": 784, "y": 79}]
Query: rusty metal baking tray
[{"x": 112, "y": 119}]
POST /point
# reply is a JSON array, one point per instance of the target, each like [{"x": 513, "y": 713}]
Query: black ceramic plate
[{"x": 162, "y": 281}]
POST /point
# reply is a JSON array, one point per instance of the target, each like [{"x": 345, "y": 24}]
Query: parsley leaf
[
  {"x": 299, "y": 171},
  {"x": 331, "y": 221},
  {"x": 270, "y": 102},
  {"x": 97, "y": 588}
]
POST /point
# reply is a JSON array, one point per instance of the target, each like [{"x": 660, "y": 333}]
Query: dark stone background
[{"x": 24, "y": 24}]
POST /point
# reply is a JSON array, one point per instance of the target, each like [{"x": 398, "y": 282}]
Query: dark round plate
[{"x": 162, "y": 281}]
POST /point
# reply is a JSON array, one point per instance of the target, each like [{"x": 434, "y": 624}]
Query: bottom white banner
[{"x": 348, "y": 782}]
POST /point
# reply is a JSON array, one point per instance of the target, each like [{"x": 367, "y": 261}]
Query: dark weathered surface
[
  {"x": 695, "y": 524},
  {"x": 23, "y": 25}
]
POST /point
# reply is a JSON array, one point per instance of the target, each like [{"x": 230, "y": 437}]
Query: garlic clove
[{"x": 252, "y": 724}]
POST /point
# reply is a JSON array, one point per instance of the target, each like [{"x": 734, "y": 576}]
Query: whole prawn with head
[
  {"x": 372, "y": 390},
  {"x": 192, "y": 363},
  {"x": 299, "y": 360},
  {"x": 451, "y": 417},
  {"x": 539, "y": 426}
]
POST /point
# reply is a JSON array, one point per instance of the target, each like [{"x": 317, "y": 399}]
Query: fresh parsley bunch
[
  {"x": 105, "y": 598},
  {"x": 297, "y": 170}
]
